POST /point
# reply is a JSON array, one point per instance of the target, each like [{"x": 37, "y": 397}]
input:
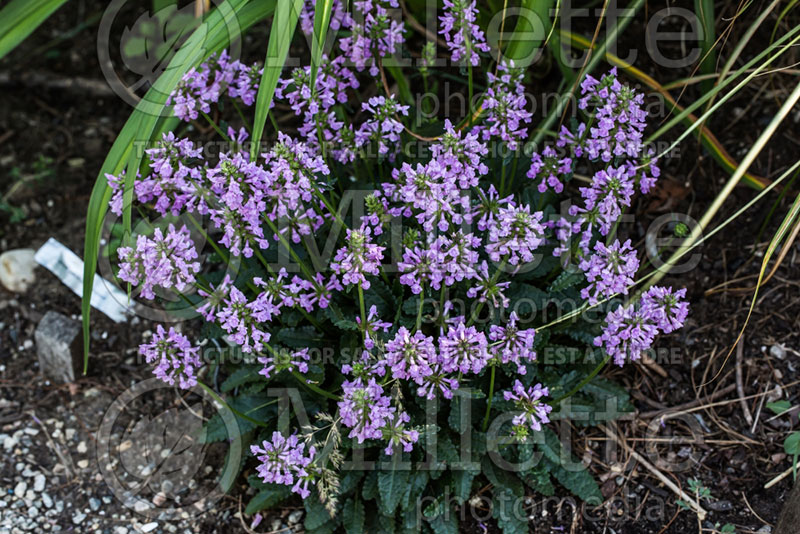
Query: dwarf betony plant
[{"x": 439, "y": 288}]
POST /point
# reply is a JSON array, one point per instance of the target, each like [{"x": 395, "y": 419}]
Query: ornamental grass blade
[
  {"x": 284, "y": 24},
  {"x": 712, "y": 210},
  {"x": 146, "y": 122},
  {"x": 19, "y": 18}
]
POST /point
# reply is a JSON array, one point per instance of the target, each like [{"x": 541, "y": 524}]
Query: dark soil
[{"x": 55, "y": 142}]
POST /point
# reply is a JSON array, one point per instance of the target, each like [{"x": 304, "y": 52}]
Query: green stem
[
  {"x": 222, "y": 402},
  {"x": 363, "y": 309},
  {"x": 489, "y": 400},
  {"x": 211, "y": 242},
  {"x": 217, "y": 128},
  {"x": 585, "y": 381},
  {"x": 313, "y": 387},
  {"x": 241, "y": 115},
  {"x": 418, "y": 324},
  {"x": 294, "y": 255},
  {"x": 496, "y": 275}
]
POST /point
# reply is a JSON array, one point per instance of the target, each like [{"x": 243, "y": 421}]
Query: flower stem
[
  {"x": 217, "y": 128},
  {"x": 585, "y": 381},
  {"x": 474, "y": 315},
  {"x": 418, "y": 324},
  {"x": 489, "y": 400},
  {"x": 363, "y": 308},
  {"x": 313, "y": 387}
]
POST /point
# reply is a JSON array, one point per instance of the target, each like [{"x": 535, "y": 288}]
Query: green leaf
[
  {"x": 527, "y": 38},
  {"x": 508, "y": 512},
  {"x": 445, "y": 522},
  {"x": 581, "y": 483},
  {"x": 370, "y": 488},
  {"x": 241, "y": 375},
  {"x": 353, "y": 516},
  {"x": 538, "y": 479},
  {"x": 392, "y": 485},
  {"x": 462, "y": 484},
  {"x": 19, "y": 18},
  {"x": 792, "y": 443},
  {"x": 316, "y": 514},
  {"x": 778, "y": 407},
  {"x": 346, "y": 324},
  {"x": 281, "y": 33},
  {"x": 502, "y": 479},
  {"x": 267, "y": 498},
  {"x": 300, "y": 337},
  {"x": 565, "y": 280}
]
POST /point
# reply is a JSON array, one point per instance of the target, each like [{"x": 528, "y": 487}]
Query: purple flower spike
[
  {"x": 463, "y": 36},
  {"x": 547, "y": 168},
  {"x": 609, "y": 271},
  {"x": 465, "y": 349},
  {"x": 284, "y": 461},
  {"x": 666, "y": 308},
  {"x": 515, "y": 345},
  {"x": 534, "y": 411},
  {"x": 174, "y": 357},
  {"x": 359, "y": 258},
  {"x": 515, "y": 234},
  {"x": 364, "y": 409},
  {"x": 410, "y": 357},
  {"x": 164, "y": 261}
]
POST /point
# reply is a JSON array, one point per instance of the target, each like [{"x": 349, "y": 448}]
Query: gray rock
[
  {"x": 38, "y": 483},
  {"x": 59, "y": 347},
  {"x": 777, "y": 351},
  {"x": 17, "y": 269},
  {"x": 20, "y": 488},
  {"x": 78, "y": 518},
  {"x": 295, "y": 517},
  {"x": 94, "y": 504}
]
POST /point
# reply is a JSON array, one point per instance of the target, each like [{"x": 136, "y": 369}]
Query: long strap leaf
[
  {"x": 19, "y": 18},
  {"x": 322, "y": 19},
  {"x": 284, "y": 24}
]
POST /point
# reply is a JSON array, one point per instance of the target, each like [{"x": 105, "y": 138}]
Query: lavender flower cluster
[{"x": 464, "y": 234}]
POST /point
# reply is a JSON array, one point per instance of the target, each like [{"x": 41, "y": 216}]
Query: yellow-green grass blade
[
  {"x": 146, "y": 122},
  {"x": 19, "y": 18},
  {"x": 715, "y": 206},
  {"x": 287, "y": 12},
  {"x": 741, "y": 43}
]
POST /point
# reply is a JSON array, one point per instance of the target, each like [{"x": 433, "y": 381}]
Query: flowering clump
[
  {"x": 442, "y": 281},
  {"x": 631, "y": 330}
]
